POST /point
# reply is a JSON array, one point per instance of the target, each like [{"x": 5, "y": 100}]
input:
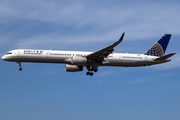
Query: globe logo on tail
[{"x": 155, "y": 50}]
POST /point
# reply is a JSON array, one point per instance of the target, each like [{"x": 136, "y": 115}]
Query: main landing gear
[
  {"x": 20, "y": 69},
  {"x": 91, "y": 69}
]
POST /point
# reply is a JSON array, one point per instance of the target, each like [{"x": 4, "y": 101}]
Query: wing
[{"x": 103, "y": 53}]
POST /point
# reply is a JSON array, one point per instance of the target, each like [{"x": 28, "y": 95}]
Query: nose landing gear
[{"x": 20, "y": 69}]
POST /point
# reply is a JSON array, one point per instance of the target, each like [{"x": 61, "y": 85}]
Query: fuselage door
[
  {"x": 48, "y": 53},
  {"x": 18, "y": 53}
]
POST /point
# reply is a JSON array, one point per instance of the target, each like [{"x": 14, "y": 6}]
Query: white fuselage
[{"x": 52, "y": 56}]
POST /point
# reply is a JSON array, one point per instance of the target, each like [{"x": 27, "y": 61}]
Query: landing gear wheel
[
  {"x": 88, "y": 73},
  {"x": 92, "y": 69},
  {"x": 91, "y": 74},
  {"x": 20, "y": 69},
  {"x": 95, "y": 70}
]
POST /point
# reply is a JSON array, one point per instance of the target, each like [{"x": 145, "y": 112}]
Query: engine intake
[{"x": 73, "y": 68}]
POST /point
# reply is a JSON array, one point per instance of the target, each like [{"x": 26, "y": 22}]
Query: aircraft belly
[
  {"x": 124, "y": 63},
  {"x": 40, "y": 59}
]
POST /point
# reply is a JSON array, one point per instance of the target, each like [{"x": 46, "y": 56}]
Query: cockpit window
[{"x": 8, "y": 53}]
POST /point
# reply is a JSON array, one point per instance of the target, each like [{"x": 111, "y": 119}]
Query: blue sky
[{"x": 47, "y": 91}]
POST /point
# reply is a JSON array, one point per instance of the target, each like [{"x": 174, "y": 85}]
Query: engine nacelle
[
  {"x": 73, "y": 68},
  {"x": 78, "y": 60}
]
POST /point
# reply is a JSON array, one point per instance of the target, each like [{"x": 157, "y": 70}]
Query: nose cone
[{"x": 4, "y": 57}]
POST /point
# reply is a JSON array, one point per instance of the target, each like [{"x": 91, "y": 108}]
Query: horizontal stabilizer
[{"x": 165, "y": 57}]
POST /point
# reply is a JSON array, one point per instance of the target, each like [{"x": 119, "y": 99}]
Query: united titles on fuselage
[{"x": 33, "y": 51}]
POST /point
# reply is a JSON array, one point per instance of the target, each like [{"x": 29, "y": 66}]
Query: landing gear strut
[
  {"x": 91, "y": 69},
  {"x": 20, "y": 69}
]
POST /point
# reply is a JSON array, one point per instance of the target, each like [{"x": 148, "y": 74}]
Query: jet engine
[{"x": 73, "y": 68}]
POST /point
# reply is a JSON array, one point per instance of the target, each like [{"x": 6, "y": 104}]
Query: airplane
[{"x": 76, "y": 60}]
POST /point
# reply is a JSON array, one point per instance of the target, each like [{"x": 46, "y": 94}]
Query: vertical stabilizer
[{"x": 159, "y": 48}]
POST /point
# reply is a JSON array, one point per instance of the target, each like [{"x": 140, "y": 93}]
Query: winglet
[
  {"x": 120, "y": 40},
  {"x": 122, "y": 36}
]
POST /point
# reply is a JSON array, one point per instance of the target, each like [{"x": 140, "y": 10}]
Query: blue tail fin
[{"x": 159, "y": 48}]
